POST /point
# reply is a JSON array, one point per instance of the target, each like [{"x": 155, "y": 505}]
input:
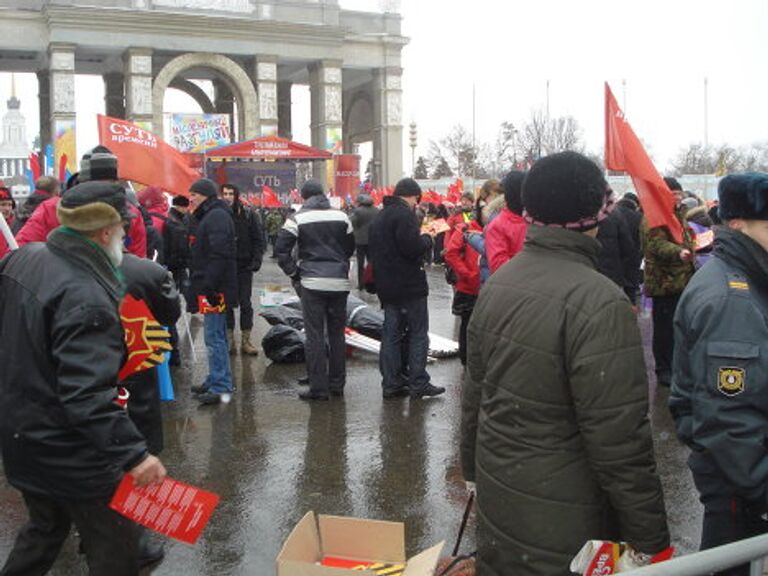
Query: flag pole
[
  {"x": 706, "y": 111},
  {"x": 474, "y": 152}
]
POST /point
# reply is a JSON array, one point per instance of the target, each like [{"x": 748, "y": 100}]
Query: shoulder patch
[
  {"x": 738, "y": 285},
  {"x": 731, "y": 380}
]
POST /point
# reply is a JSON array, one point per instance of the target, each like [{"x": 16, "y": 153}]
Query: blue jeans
[
  {"x": 404, "y": 346},
  {"x": 219, "y": 378}
]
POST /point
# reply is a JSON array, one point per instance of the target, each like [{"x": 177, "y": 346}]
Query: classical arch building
[{"x": 254, "y": 51}]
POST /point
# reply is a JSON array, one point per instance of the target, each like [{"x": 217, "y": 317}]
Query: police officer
[{"x": 719, "y": 396}]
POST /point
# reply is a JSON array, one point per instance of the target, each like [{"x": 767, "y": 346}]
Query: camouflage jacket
[{"x": 665, "y": 273}]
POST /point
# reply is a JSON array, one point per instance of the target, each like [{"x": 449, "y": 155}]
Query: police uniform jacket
[{"x": 719, "y": 396}]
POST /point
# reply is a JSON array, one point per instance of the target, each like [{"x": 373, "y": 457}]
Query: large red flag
[
  {"x": 145, "y": 158},
  {"x": 269, "y": 198},
  {"x": 624, "y": 152}
]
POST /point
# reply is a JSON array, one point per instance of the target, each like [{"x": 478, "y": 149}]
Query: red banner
[
  {"x": 347, "y": 175},
  {"x": 624, "y": 152},
  {"x": 145, "y": 339},
  {"x": 145, "y": 158}
]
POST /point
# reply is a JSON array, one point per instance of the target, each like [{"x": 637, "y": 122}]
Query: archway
[
  {"x": 229, "y": 72},
  {"x": 195, "y": 92}
]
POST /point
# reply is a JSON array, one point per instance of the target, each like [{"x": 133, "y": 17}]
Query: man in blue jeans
[
  {"x": 213, "y": 275},
  {"x": 397, "y": 249}
]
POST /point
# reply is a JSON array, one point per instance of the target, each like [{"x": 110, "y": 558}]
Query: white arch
[{"x": 232, "y": 73}]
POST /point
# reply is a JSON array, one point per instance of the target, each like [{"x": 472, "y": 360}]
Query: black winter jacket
[
  {"x": 212, "y": 263},
  {"x": 176, "y": 240},
  {"x": 148, "y": 281},
  {"x": 250, "y": 238},
  {"x": 361, "y": 220},
  {"x": 634, "y": 218},
  {"x": 62, "y": 434},
  {"x": 326, "y": 242},
  {"x": 397, "y": 249},
  {"x": 616, "y": 257}
]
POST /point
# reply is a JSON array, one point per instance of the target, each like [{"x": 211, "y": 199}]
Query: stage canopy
[{"x": 269, "y": 148}]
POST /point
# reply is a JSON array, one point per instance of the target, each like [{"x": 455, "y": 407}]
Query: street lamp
[{"x": 413, "y": 147}]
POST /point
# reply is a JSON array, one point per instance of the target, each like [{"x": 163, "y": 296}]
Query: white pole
[{"x": 7, "y": 234}]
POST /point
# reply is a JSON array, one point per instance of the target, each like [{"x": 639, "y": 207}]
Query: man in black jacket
[
  {"x": 250, "y": 249},
  {"x": 321, "y": 278},
  {"x": 629, "y": 208},
  {"x": 397, "y": 249},
  {"x": 66, "y": 443},
  {"x": 361, "y": 219},
  {"x": 719, "y": 396},
  {"x": 213, "y": 277}
]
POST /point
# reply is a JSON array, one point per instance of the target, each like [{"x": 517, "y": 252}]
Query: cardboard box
[{"x": 313, "y": 539}]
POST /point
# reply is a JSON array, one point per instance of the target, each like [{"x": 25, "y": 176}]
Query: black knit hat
[
  {"x": 565, "y": 190},
  {"x": 673, "y": 184},
  {"x": 98, "y": 164},
  {"x": 407, "y": 187},
  {"x": 512, "y": 184},
  {"x": 93, "y": 205},
  {"x": 311, "y": 188},
  {"x": 205, "y": 187},
  {"x": 743, "y": 196},
  {"x": 180, "y": 201}
]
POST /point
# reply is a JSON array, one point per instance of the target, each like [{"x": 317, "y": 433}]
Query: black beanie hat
[
  {"x": 98, "y": 164},
  {"x": 407, "y": 187},
  {"x": 743, "y": 196},
  {"x": 673, "y": 184},
  {"x": 311, "y": 188},
  {"x": 565, "y": 190},
  {"x": 180, "y": 201},
  {"x": 512, "y": 184},
  {"x": 205, "y": 187}
]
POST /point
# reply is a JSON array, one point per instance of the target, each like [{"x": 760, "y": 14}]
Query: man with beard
[{"x": 65, "y": 441}]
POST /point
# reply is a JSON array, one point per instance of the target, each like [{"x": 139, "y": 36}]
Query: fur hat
[
  {"x": 311, "y": 188},
  {"x": 407, "y": 187},
  {"x": 98, "y": 164},
  {"x": 743, "y": 196},
  {"x": 93, "y": 205},
  {"x": 565, "y": 190},
  {"x": 512, "y": 184},
  {"x": 204, "y": 187}
]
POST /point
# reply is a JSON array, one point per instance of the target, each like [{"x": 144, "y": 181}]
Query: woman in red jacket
[{"x": 465, "y": 262}]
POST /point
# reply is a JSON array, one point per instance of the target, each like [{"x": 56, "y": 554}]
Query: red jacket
[
  {"x": 464, "y": 260},
  {"x": 456, "y": 219},
  {"x": 504, "y": 238},
  {"x": 44, "y": 220}
]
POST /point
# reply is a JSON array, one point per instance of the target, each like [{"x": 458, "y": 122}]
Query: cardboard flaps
[{"x": 313, "y": 539}]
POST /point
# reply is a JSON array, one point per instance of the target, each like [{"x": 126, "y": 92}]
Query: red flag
[
  {"x": 269, "y": 199},
  {"x": 624, "y": 152},
  {"x": 63, "y": 168},
  {"x": 145, "y": 158},
  {"x": 145, "y": 339},
  {"x": 34, "y": 166}
]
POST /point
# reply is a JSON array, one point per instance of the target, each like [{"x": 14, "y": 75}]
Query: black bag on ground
[
  {"x": 283, "y": 315},
  {"x": 284, "y": 345},
  {"x": 363, "y": 318}
]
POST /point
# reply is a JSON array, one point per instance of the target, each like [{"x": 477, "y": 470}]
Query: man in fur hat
[
  {"x": 65, "y": 441},
  {"x": 719, "y": 396}
]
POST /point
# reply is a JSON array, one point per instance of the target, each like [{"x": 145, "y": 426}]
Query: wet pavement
[{"x": 272, "y": 458}]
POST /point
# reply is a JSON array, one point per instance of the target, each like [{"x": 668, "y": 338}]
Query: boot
[
  {"x": 245, "y": 345},
  {"x": 231, "y": 340}
]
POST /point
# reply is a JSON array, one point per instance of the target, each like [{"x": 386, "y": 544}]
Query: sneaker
[
  {"x": 209, "y": 398},
  {"x": 150, "y": 551},
  {"x": 225, "y": 397},
  {"x": 428, "y": 390},
  {"x": 337, "y": 393},
  {"x": 199, "y": 389},
  {"x": 396, "y": 393},
  {"x": 312, "y": 396}
]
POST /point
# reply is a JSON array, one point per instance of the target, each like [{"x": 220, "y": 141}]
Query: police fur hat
[
  {"x": 743, "y": 196},
  {"x": 98, "y": 164},
  {"x": 565, "y": 190},
  {"x": 311, "y": 188},
  {"x": 93, "y": 205}
]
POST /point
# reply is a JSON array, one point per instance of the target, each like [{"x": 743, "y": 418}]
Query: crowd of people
[{"x": 547, "y": 268}]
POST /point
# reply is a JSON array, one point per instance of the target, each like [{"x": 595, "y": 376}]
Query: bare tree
[{"x": 542, "y": 135}]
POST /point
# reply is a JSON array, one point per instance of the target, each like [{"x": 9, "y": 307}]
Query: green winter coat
[
  {"x": 665, "y": 273},
  {"x": 555, "y": 427}
]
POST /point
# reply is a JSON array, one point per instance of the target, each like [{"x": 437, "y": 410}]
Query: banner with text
[
  {"x": 199, "y": 132},
  {"x": 249, "y": 177},
  {"x": 347, "y": 175}
]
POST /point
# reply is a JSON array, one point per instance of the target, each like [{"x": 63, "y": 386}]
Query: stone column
[
  {"x": 266, "y": 86},
  {"x": 114, "y": 94},
  {"x": 61, "y": 87},
  {"x": 388, "y": 129},
  {"x": 138, "y": 86},
  {"x": 44, "y": 103},
  {"x": 284, "y": 102},
  {"x": 326, "y": 115}
]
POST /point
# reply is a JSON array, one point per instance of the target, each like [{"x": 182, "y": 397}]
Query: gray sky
[{"x": 508, "y": 50}]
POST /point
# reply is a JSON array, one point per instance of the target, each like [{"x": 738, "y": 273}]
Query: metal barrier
[{"x": 751, "y": 550}]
